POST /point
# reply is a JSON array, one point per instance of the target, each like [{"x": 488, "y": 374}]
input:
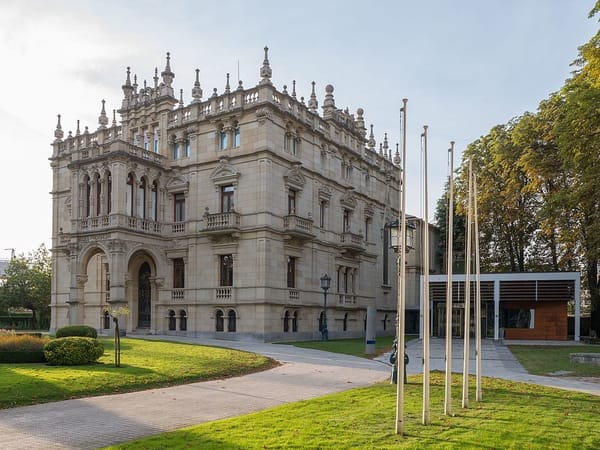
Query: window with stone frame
[
  {"x": 176, "y": 150},
  {"x": 231, "y": 321},
  {"x": 219, "y": 321},
  {"x": 291, "y": 272},
  {"x": 292, "y": 196},
  {"x": 226, "y": 270},
  {"x": 178, "y": 273},
  {"x": 223, "y": 140},
  {"x": 179, "y": 207},
  {"x": 236, "y": 137},
  {"x": 227, "y": 193},
  {"x": 346, "y": 215}
]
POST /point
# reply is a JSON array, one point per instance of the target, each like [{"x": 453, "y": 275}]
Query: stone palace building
[{"x": 218, "y": 218}]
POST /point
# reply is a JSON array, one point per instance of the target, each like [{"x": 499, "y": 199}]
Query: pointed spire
[
  {"x": 114, "y": 122},
  {"x": 102, "y": 119},
  {"x": 127, "y": 88},
  {"x": 265, "y": 71},
  {"x": 313, "y": 104},
  {"x": 397, "y": 159},
  {"x": 380, "y": 149},
  {"x": 294, "y": 88},
  {"x": 77, "y": 132},
  {"x": 181, "y": 98},
  {"x": 385, "y": 145},
  {"x": 155, "y": 77},
  {"x": 197, "y": 90},
  {"x": 135, "y": 85},
  {"x": 227, "y": 87},
  {"x": 58, "y": 132},
  {"x": 167, "y": 75},
  {"x": 372, "y": 143}
]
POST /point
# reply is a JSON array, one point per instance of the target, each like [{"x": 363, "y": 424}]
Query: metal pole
[
  {"x": 425, "y": 300},
  {"x": 448, "y": 378},
  {"x": 325, "y": 331},
  {"x": 401, "y": 285},
  {"x": 478, "y": 393},
  {"x": 467, "y": 330}
]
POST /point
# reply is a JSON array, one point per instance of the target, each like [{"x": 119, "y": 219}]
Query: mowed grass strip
[
  {"x": 144, "y": 365},
  {"x": 512, "y": 416},
  {"x": 550, "y": 360}
]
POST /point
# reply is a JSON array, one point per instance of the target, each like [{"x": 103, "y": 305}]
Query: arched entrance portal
[{"x": 144, "y": 296}]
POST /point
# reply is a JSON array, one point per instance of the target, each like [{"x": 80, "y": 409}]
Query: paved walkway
[{"x": 99, "y": 421}]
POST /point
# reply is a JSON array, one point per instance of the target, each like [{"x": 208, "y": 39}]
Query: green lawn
[
  {"x": 354, "y": 347},
  {"x": 548, "y": 360},
  {"x": 144, "y": 365},
  {"x": 512, "y": 416}
]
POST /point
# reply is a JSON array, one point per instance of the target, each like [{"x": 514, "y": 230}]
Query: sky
[{"x": 464, "y": 66}]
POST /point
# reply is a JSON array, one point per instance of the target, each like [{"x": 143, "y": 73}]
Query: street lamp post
[{"x": 325, "y": 283}]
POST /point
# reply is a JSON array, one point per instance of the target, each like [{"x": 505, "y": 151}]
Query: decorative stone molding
[
  {"x": 294, "y": 178},
  {"x": 224, "y": 173},
  {"x": 348, "y": 199},
  {"x": 177, "y": 183}
]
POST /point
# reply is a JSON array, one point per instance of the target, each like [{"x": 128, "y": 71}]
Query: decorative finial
[
  {"x": 155, "y": 77},
  {"x": 197, "y": 90},
  {"x": 385, "y": 142},
  {"x": 265, "y": 70},
  {"x": 240, "y": 86},
  {"x": 127, "y": 88},
  {"x": 372, "y": 139},
  {"x": 181, "y": 98},
  {"x": 167, "y": 74},
  {"x": 380, "y": 149},
  {"x": 227, "y": 87},
  {"x": 114, "y": 122},
  {"x": 77, "y": 132},
  {"x": 58, "y": 132},
  {"x": 294, "y": 88},
  {"x": 135, "y": 85},
  {"x": 313, "y": 104},
  {"x": 328, "y": 103},
  {"x": 102, "y": 119},
  {"x": 214, "y": 94},
  {"x": 86, "y": 130},
  {"x": 285, "y": 92},
  {"x": 397, "y": 159}
]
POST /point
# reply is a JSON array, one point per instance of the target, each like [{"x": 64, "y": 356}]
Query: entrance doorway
[{"x": 144, "y": 297}]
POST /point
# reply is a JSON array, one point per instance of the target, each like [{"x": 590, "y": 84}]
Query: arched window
[
  {"x": 154, "y": 202},
  {"x": 231, "y": 320},
  {"x": 172, "y": 321},
  {"x": 88, "y": 192},
  {"x": 286, "y": 322},
  {"x": 219, "y": 320},
  {"x": 182, "y": 320},
  {"x": 295, "y": 322},
  {"x": 98, "y": 195},
  {"x": 345, "y": 324},
  {"x": 385, "y": 322},
  {"x": 321, "y": 324},
  {"x": 106, "y": 320}
]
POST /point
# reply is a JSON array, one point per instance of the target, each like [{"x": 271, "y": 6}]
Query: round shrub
[
  {"x": 77, "y": 330},
  {"x": 73, "y": 351}
]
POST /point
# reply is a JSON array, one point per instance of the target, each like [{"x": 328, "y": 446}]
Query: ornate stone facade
[{"x": 219, "y": 217}]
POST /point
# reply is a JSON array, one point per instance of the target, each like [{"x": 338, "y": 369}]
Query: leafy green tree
[
  {"x": 458, "y": 239},
  {"x": 27, "y": 285}
]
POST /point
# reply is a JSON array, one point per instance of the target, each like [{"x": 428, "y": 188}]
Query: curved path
[{"x": 99, "y": 421}]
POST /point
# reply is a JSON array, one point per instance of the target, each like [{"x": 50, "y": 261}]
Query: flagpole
[
  {"x": 425, "y": 259},
  {"x": 401, "y": 285},
  {"x": 467, "y": 329},
  {"x": 478, "y": 393},
  {"x": 448, "y": 379}
]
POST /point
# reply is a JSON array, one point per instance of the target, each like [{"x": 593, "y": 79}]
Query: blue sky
[{"x": 464, "y": 65}]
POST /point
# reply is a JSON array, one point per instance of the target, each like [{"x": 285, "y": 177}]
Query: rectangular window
[
  {"x": 322, "y": 210},
  {"x": 236, "y": 137},
  {"x": 227, "y": 198},
  {"x": 367, "y": 227},
  {"x": 226, "y": 270},
  {"x": 223, "y": 140},
  {"x": 346, "y": 221},
  {"x": 156, "y": 149},
  {"x": 291, "y": 202},
  {"x": 153, "y": 202},
  {"x": 187, "y": 148},
  {"x": 178, "y": 273},
  {"x": 291, "y": 272},
  {"x": 179, "y": 207},
  {"x": 294, "y": 146},
  {"x": 175, "y": 150}
]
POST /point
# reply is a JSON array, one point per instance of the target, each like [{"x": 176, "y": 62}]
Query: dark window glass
[
  {"x": 291, "y": 272},
  {"x": 219, "y": 321},
  {"x": 178, "y": 273},
  {"x": 179, "y": 207},
  {"x": 226, "y": 270},
  {"x": 231, "y": 325},
  {"x": 227, "y": 198}
]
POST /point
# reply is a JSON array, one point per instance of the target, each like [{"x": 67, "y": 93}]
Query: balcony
[
  {"x": 222, "y": 223},
  {"x": 352, "y": 243},
  {"x": 113, "y": 221},
  {"x": 296, "y": 227},
  {"x": 224, "y": 294},
  {"x": 178, "y": 295},
  {"x": 347, "y": 299},
  {"x": 293, "y": 296}
]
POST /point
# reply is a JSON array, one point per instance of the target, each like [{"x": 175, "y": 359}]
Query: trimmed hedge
[
  {"x": 73, "y": 351},
  {"x": 77, "y": 330},
  {"x": 22, "y": 343},
  {"x": 22, "y": 357}
]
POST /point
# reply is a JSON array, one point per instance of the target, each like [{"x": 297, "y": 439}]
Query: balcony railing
[
  {"x": 223, "y": 294},
  {"x": 352, "y": 242},
  {"x": 346, "y": 299},
  {"x": 298, "y": 226},
  {"x": 293, "y": 295},
  {"x": 226, "y": 221},
  {"x": 109, "y": 221},
  {"x": 178, "y": 295}
]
